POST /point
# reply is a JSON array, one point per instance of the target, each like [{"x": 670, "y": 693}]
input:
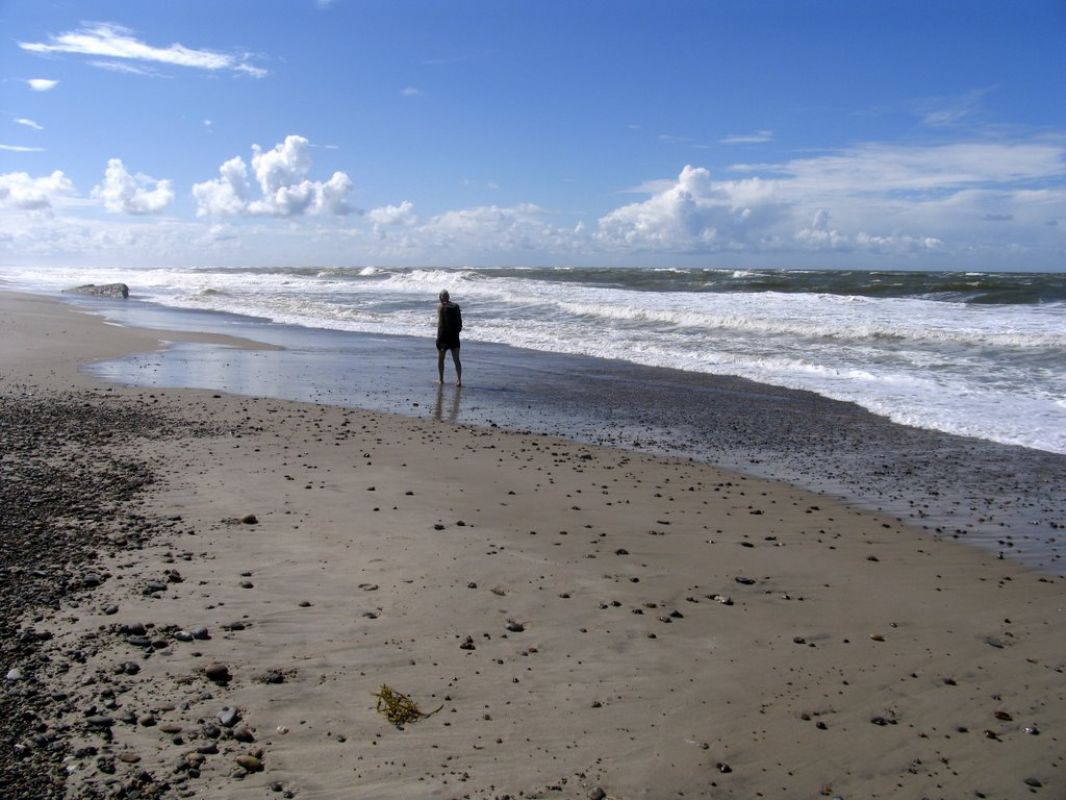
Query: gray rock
[
  {"x": 200, "y": 633},
  {"x": 14, "y": 674},
  {"x": 597, "y": 794},
  {"x": 103, "y": 290},
  {"x": 244, "y": 734},
  {"x": 228, "y": 716}
]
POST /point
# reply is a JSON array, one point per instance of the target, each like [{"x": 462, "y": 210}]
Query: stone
[
  {"x": 218, "y": 672},
  {"x": 200, "y": 633},
  {"x": 250, "y": 519},
  {"x": 14, "y": 674},
  {"x": 115, "y": 290},
  {"x": 597, "y": 794},
  {"x": 228, "y": 716},
  {"x": 249, "y": 762},
  {"x": 244, "y": 734},
  {"x": 100, "y": 721},
  {"x": 515, "y": 627}
]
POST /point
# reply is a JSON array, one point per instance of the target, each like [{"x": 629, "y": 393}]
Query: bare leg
[
  {"x": 440, "y": 366},
  {"x": 458, "y": 367}
]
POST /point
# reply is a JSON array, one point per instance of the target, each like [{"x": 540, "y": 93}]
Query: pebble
[
  {"x": 218, "y": 672},
  {"x": 515, "y": 627},
  {"x": 100, "y": 721},
  {"x": 250, "y": 519},
  {"x": 249, "y": 762},
  {"x": 14, "y": 674},
  {"x": 597, "y": 794},
  {"x": 200, "y": 633},
  {"x": 244, "y": 734},
  {"x": 228, "y": 716}
]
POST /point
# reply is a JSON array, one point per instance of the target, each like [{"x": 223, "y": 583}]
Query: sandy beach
[{"x": 574, "y": 621}]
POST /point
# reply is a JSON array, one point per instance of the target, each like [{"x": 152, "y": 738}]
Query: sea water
[{"x": 975, "y": 353}]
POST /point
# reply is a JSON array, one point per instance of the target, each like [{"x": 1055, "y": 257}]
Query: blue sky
[{"x": 839, "y": 134}]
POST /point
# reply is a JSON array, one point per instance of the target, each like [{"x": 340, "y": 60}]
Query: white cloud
[
  {"x": 896, "y": 243},
  {"x": 758, "y": 137},
  {"x": 42, "y": 84},
  {"x": 127, "y": 69},
  {"x": 694, "y": 213},
  {"x": 402, "y": 214},
  {"x": 876, "y": 168},
  {"x": 947, "y": 111},
  {"x": 19, "y": 190},
  {"x": 282, "y": 175},
  {"x": 411, "y": 91},
  {"x": 226, "y": 194},
  {"x": 115, "y": 41},
  {"x": 133, "y": 194},
  {"x": 819, "y": 235},
  {"x": 18, "y": 148},
  {"x": 29, "y": 123}
]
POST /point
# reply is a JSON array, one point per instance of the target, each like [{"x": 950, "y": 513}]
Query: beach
[{"x": 573, "y": 620}]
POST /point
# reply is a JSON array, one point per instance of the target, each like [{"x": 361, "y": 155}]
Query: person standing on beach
[{"x": 449, "y": 323}]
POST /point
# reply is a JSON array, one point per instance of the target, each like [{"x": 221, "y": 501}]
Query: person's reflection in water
[{"x": 453, "y": 407}]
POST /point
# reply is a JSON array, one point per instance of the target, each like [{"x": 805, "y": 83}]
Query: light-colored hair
[{"x": 444, "y": 295}]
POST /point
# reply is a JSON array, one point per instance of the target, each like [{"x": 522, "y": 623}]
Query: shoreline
[
  {"x": 857, "y": 655},
  {"x": 1003, "y": 498}
]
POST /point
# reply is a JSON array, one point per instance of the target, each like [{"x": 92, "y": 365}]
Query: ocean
[{"x": 970, "y": 353}]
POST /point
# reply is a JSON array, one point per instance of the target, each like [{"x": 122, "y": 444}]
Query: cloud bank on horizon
[{"x": 352, "y": 166}]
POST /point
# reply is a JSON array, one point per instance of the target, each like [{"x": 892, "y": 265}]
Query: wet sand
[
  {"x": 1005, "y": 498},
  {"x": 589, "y": 621}
]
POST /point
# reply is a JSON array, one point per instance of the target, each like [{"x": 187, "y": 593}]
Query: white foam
[{"x": 991, "y": 371}]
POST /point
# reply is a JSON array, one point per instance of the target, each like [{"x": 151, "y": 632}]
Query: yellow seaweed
[{"x": 398, "y": 708}]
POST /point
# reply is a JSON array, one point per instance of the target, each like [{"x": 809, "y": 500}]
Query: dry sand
[{"x": 854, "y": 656}]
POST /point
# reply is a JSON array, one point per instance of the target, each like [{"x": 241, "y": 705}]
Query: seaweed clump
[{"x": 398, "y": 708}]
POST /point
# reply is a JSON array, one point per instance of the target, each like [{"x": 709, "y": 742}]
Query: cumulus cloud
[
  {"x": 108, "y": 40},
  {"x": 896, "y": 243},
  {"x": 282, "y": 176},
  {"x": 121, "y": 192},
  {"x": 42, "y": 84},
  {"x": 402, "y": 214},
  {"x": 820, "y": 235},
  {"x": 19, "y": 190},
  {"x": 226, "y": 194},
  {"x": 694, "y": 213}
]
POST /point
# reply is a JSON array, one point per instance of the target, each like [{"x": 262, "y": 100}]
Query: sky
[{"x": 861, "y": 134}]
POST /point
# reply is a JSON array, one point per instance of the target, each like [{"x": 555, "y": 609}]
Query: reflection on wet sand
[{"x": 453, "y": 407}]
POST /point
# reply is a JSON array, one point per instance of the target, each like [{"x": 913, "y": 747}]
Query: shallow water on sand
[{"x": 1005, "y": 498}]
